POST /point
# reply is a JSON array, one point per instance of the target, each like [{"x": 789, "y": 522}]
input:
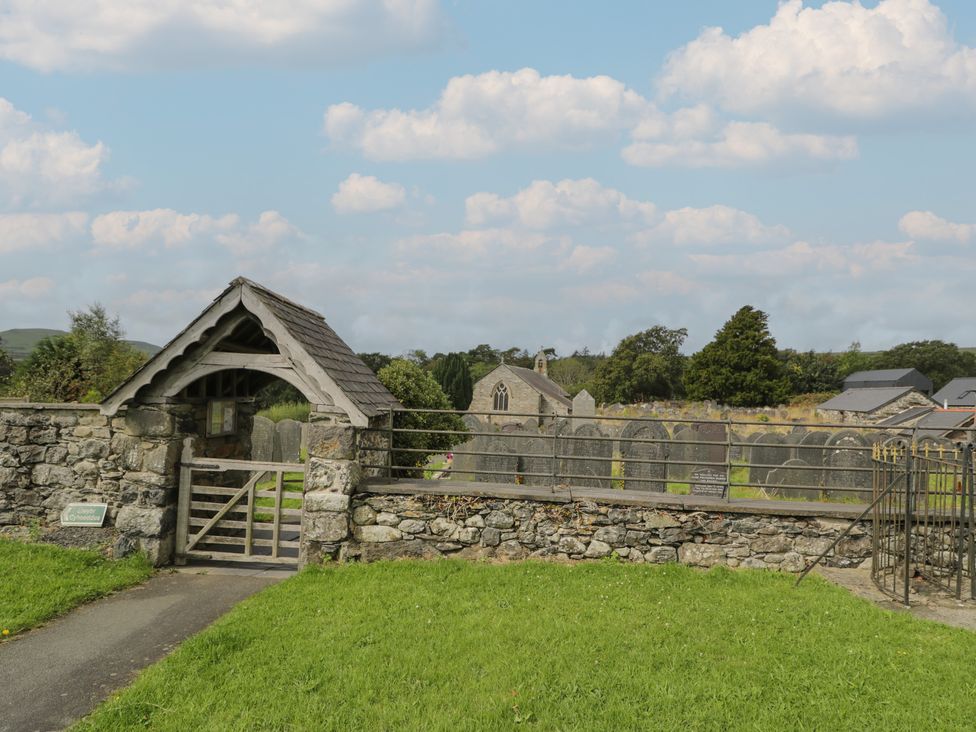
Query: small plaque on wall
[
  {"x": 221, "y": 417},
  {"x": 84, "y": 514}
]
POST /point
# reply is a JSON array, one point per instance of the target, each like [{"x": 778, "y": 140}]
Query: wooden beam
[{"x": 244, "y": 360}]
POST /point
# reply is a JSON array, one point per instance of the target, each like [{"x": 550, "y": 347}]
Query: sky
[{"x": 437, "y": 175}]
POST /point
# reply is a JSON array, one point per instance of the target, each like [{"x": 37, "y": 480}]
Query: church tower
[{"x": 541, "y": 363}]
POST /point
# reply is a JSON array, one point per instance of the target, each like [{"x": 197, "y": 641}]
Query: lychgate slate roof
[
  {"x": 542, "y": 384},
  {"x": 329, "y": 351},
  {"x": 954, "y": 393},
  {"x": 865, "y": 400},
  {"x": 312, "y": 356}
]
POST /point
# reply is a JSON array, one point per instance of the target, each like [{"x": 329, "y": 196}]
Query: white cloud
[
  {"x": 583, "y": 258},
  {"x": 84, "y": 35},
  {"x": 712, "y": 225},
  {"x": 926, "y": 225},
  {"x": 33, "y": 287},
  {"x": 738, "y": 144},
  {"x": 544, "y": 205},
  {"x": 35, "y": 232},
  {"x": 484, "y": 114},
  {"x": 37, "y": 164},
  {"x": 803, "y": 258},
  {"x": 138, "y": 230},
  {"x": 842, "y": 58},
  {"x": 471, "y": 243},
  {"x": 366, "y": 194},
  {"x": 667, "y": 283}
]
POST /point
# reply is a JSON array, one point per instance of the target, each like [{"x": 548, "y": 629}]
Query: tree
[
  {"x": 811, "y": 372},
  {"x": 938, "y": 360},
  {"x": 454, "y": 377},
  {"x": 84, "y": 365},
  {"x": 375, "y": 361},
  {"x": 853, "y": 360},
  {"x": 643, "y": 366},
  {"x": 575, "y": 373},
  {"x": 741, "y": 366},
  {"x": 7, "y": 366},
  {"x": 415, "y": 388}
]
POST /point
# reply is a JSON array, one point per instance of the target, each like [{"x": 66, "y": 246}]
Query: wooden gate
[{"x": 239, "y": 510}]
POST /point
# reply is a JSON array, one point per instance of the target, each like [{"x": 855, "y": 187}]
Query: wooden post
[
  {"x": 279, "y": 489},
  {"x": 183, "y": 502}
]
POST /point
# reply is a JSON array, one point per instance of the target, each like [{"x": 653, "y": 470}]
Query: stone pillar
[
  {"x": 332, "y": 475},
  {"x": 148, "y": 440}
]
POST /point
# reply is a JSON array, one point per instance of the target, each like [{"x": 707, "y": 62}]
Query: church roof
[{"x": 542, "y": 384}]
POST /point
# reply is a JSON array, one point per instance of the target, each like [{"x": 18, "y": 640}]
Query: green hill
[{"x": 19, "y": 342}]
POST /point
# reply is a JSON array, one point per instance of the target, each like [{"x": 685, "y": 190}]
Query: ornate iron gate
[
  {"x": 239, "y": 510},
  {"x": 923, "y": 519}
]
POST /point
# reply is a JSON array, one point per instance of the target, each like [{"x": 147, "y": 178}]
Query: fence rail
[{"x": 728, "y": 458}]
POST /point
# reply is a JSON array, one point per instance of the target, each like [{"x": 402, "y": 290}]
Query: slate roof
[
  {"x": 878, "y": 375},
  {"x": 907, "y": 416},
  {"x": 942, "y": 422},
  {"x": 950, "y": 393},
  {"x": 542, "y": 384},
  {"x": 865, "y": 400},
  {"x": 328, "y": 350}
]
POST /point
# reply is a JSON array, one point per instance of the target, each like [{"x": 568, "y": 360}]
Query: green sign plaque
[{"x": 84, "y": 514}]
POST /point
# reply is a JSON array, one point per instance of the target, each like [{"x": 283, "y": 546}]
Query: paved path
[{"x": 54, "y": 675}]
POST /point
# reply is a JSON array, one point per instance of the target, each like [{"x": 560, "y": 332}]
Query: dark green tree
[
  {"x": 53, "y": 372},
  {"x": 7, "y": 366},
  {"x": 741, "y": 366},
  {"x": 575, "y": 373},
  {"x": 811, "y": 372},
  {"x": 375, "y": 360},
  {"x": 643, "y": 366},
  {"x": 854, "y": 359},
  {"x": 938, "y": 360},
  {"x": 416, "y": 389},
  {"x": 454, "y": 376}
]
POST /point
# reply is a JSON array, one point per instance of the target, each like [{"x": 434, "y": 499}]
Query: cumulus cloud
[
  {"x": 138, "y": 230},
  {"x": 927, "y": 226},
  {"x": 739, "y": 144},
  {"x": 471, "y": 243},
  {"x": 32, "y": 232},
  {"x": 843, "y": 58},
  {"x": 85, "y": 35},
  {"x": 663, "y": 282},
  {"x": 478, "y": 115},
  {"x": 42, "y": 165},
  {"x": 583, "y": 258},
  {"x": 544, "y": 205},
  {"x": 803, "y": 258},
  {"x": 712, "y": 225},
  {"x": 367, "y": 194},
  {"x": 33, "y": 287}
]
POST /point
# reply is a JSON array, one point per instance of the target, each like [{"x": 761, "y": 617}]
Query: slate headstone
[
  {"x": 713, "y": 437},
  {"x": 290, "y": 438},
  {"x": 499, "y": 465},
  {"x": 648, "y": 476},
  {"x": 847, "y": 464},
  {"x": 262, "y": 439},
  {"x": 793, "y": 473},
  {"x": 770, "y": 450},
  {"x": 584, "y": 408},
  {"x": 464, "y": 465},
  {"x": 589, "y": 453},
  {"x": 681, "y": 458},
  {"x": 534, "y": 451},
  {"x": 709, "y": 481}
]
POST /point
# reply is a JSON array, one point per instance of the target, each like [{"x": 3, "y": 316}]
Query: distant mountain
[{"x": 19, "y": 342}]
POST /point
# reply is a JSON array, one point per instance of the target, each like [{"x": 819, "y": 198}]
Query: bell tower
[{"x": 541, "y": 363}]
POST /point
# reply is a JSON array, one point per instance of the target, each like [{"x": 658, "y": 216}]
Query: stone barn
[{"x": 193, "y": 401}]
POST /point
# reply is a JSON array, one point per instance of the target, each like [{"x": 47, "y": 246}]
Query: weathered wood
[
  {"x": 249, "y": 535},
  {"x": 210, "y": 506},
  {"x": 244, "y": 360},
  {"x": 234, "y": 556},
  {"x": 220, "y": 514},
  {"x": 226, "y": 523},
  {"x": 183, "y": 500},
  {"x": 279, "y": 489},
  {"x": 216, "y": 465}
]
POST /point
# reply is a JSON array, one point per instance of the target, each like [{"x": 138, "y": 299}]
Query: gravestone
[
  {"x": 534, "y": 451},
  {"x": 681, "y": 458},
  {"x": 847, "y": 464},
  {"x": 584, "y": 408},
  {"x": 290, "y": 438},
  {"x": 713, "y": 438},
  {"x": 464, "y": 465},
  {"x": 770, "y": 450},
  {"x": 792, "y": 473},
  {"x": 589, "y": 458},
  {"x": 500, "y": 463},
  {"x": 793, "y": 439},
  {"x": 648, "y": 476},
  {"x": 737, "y": 451},
  {"x": 262, "y": 439},
  {"x": 709, "y": 481}
]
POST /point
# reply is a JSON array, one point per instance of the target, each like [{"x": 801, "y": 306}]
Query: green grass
[
  {"x": 40, "y": 581},
  {"x": 291, "y": 483},
  {"x": 298, "y": 411},
  {"x": 598, "y": 646}
]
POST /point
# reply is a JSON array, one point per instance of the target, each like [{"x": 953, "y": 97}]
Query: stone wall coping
[
  {"x": 60, "y": 406},
  {"x": 664, "y": 501}
]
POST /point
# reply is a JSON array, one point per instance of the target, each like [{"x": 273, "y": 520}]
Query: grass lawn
[
  {"x": 598, "y": 646},
  {"x": 40, "y": 581}
]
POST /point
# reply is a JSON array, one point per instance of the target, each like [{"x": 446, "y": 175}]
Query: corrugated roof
[
  {"x": 542, "y": 384},
  {"x": 951, "y": 392},
  {"x": 329, "y": 351},
  {"x": 865, "y": 400}
]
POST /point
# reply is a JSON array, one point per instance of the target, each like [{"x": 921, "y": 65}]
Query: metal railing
[{"x": 730, "y": 459}]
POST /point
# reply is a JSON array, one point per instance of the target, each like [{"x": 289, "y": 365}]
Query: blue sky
[{"x": 438, "y": 175}]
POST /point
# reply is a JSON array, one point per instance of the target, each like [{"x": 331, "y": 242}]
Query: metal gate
[
  {"x": 239, "y": 510},
  {"x": 923, "y": 519}
]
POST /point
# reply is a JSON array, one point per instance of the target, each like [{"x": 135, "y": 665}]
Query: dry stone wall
[{"x": 421, "y": 526}]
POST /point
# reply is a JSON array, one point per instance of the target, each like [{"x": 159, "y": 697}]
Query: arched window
[{"x": 499, "y": 398}]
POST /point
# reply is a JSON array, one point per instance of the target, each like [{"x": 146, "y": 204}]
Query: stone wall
[
  {"x": 522, "y": 398},
  {"x": 909, "y": 400},
  {"x": 429, "y": 526},
  {"x": 52, "y": 455}
]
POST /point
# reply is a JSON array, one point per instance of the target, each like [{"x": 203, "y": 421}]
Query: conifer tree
[{"x": 454, "y": 376}]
